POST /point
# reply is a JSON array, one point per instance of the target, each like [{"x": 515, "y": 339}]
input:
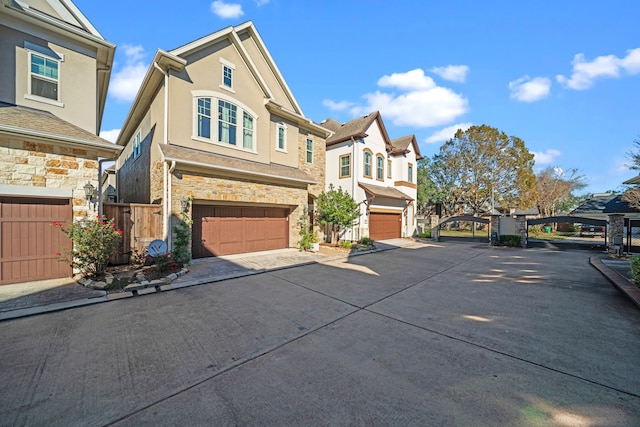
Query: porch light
[{"x": 88, "y": 193}]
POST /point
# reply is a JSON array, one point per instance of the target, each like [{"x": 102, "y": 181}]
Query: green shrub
[
  {"x": 95, "y": 242},
  {"x": 426, "y": 234},
  {"x": 307, "y": 237},
  {"x": 366, "y": 241},
  {"x": 510, "y": 240},
  {"x": 346, "y": 244},
  {"x": 635, "y": 269}
]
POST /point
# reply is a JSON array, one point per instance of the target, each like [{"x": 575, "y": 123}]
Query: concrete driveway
[{"x": 442, "y": 334}]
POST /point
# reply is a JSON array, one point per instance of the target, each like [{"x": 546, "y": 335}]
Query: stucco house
[
  {"x": 215, "y": 133},
  {"x": 380, "y": 173},
  {"x": 55, "y": 69}
]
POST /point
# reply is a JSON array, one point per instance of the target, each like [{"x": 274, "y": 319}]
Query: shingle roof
[
  {"x": 29, "y": 121},
  {"x": 356, "y": 128},
  {"x": 594, "y": 205},
  {"x": 401, "y": 145},
  {"x": 618, "y": 205},
  {"x": 390, "y": 192},
  {"x": 234, "y": 166}
]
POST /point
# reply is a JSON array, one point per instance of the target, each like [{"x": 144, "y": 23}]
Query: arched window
[
  {"x": 379, "y": 167},
  {"x": 367, "y": 164}
]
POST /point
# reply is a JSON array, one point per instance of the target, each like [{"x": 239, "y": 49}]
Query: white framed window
[
  {"x": 227, "y": 122},
  {"x": 379, "y": 167},
  {"x": 227, "y": 75},
  {"x": 345, "y": 166},
  {"x": 366, "y": 160},
  {"x": 204, "y": 118},
  {"x": 43, "y": 76},
  {"x": 410, "y": 173},
  {"x": 247, "y": 131},
  {"x": 309, "y": 150},
  {"x": 232, "y": 125},
  {"x": 281, "y": 137},
  {"x": 389, "y": 168}
]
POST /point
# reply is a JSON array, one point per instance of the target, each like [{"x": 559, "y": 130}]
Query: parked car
[{"x": 587, "y": 230}]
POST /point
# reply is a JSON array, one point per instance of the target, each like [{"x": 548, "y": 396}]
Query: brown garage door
[
  {"x": 29, "y": 242},
  {"x": 226, "y": 230},
  {"x": 384, "y": 226}
]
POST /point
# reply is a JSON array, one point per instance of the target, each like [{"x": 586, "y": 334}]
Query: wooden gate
[{"x": 140, "y": 224}]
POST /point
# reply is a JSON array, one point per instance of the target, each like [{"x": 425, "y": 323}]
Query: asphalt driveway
[{"x": 443, "y": 334}]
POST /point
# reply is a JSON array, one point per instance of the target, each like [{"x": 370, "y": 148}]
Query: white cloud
[
  {"x": 226, "y": 10},
  {"x": 546, "y": 158},
  {"x": 126, "y": 81},
  {"x": 447, "y": 133},
  {"x": 454, "y": 73},
  {"x": 586, "y": 72},
  {"x": 526, "y": 89},
  {"x": 337, "y": 106},
  {"x": 411, "y": 80},
  {"x": 110, "y": 135},
  {"x": 422, "y": 103}
]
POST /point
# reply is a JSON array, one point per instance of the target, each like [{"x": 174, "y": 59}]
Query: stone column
[
  {"x": 435, "y": 230},
  {"x": 615, "y": 233},
  {"x": 494, "y": 227},
  {"x": 521, "y": 229}
]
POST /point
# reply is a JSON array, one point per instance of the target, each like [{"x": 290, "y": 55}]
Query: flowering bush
[
  {"x": 166, "y": 263},
  {"x": 95, "y": 241}
]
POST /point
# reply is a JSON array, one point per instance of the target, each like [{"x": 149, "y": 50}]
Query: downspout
[
  {"x": 166, "y": 196},
  {"x": 353, "y": 184}
]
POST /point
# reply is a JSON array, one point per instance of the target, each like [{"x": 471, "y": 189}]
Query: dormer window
[{"x": 44, "y": 76}]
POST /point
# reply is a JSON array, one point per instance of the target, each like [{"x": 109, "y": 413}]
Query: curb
[
  {"x": 48, "y": 308},
  {"x": 617, "y": 280}
]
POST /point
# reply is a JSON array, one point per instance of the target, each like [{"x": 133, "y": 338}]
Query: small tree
[
  {"x": 94, "y": 243},
  {"x": 337, "y": 208}
]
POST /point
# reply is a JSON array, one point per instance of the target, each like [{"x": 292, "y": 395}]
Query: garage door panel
[
  {"x": 384, "y": 226},
  {"x": 29, "y": 242},
  {"x": 238, "y": 230}
]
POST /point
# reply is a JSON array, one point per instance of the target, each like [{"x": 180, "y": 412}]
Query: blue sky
[{"x": 564, "y": 76}]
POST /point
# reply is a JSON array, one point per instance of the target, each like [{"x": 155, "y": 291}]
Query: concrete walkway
[{"x": 27, "y": 299}]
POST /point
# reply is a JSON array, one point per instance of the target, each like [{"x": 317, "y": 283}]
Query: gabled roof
[
  {"x": 232, "y": 165},
  {"x": 64, "y": 19},
  {"x": 356, "y": 128},
  {"x": 594, "y": 205},
  {"x": 619, "y": 206},
  {"x": 389, "y": 192},
  {"x": 401, "y": 145},
  {"x": 633, "y": 181},
  {"x": 175, "y": 60},
  {"x": 32, "y": 124}
]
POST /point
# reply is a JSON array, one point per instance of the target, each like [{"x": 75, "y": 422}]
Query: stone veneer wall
[
  {"x": 32, "y": 164},
  {"x": 317, "y": 169},
  {"x": 211, "y": 188}
]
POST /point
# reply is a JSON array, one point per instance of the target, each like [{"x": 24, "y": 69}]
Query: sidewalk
[{"x": 27, "y": 299}]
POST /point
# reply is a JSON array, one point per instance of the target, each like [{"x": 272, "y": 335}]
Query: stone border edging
[{"x": 620, "y": 282}]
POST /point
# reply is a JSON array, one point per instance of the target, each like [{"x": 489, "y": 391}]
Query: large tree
[
  {"x": 483, "y": 165},
  {"x": 632, "y": 195},
  {"x": 436, "y": 185},
  {"x": 555, "y": 190}
]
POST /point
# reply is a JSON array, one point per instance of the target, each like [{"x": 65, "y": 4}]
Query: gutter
[
  {"x": 12, "y": 131},
  {"x": 229, "y": 169}
]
